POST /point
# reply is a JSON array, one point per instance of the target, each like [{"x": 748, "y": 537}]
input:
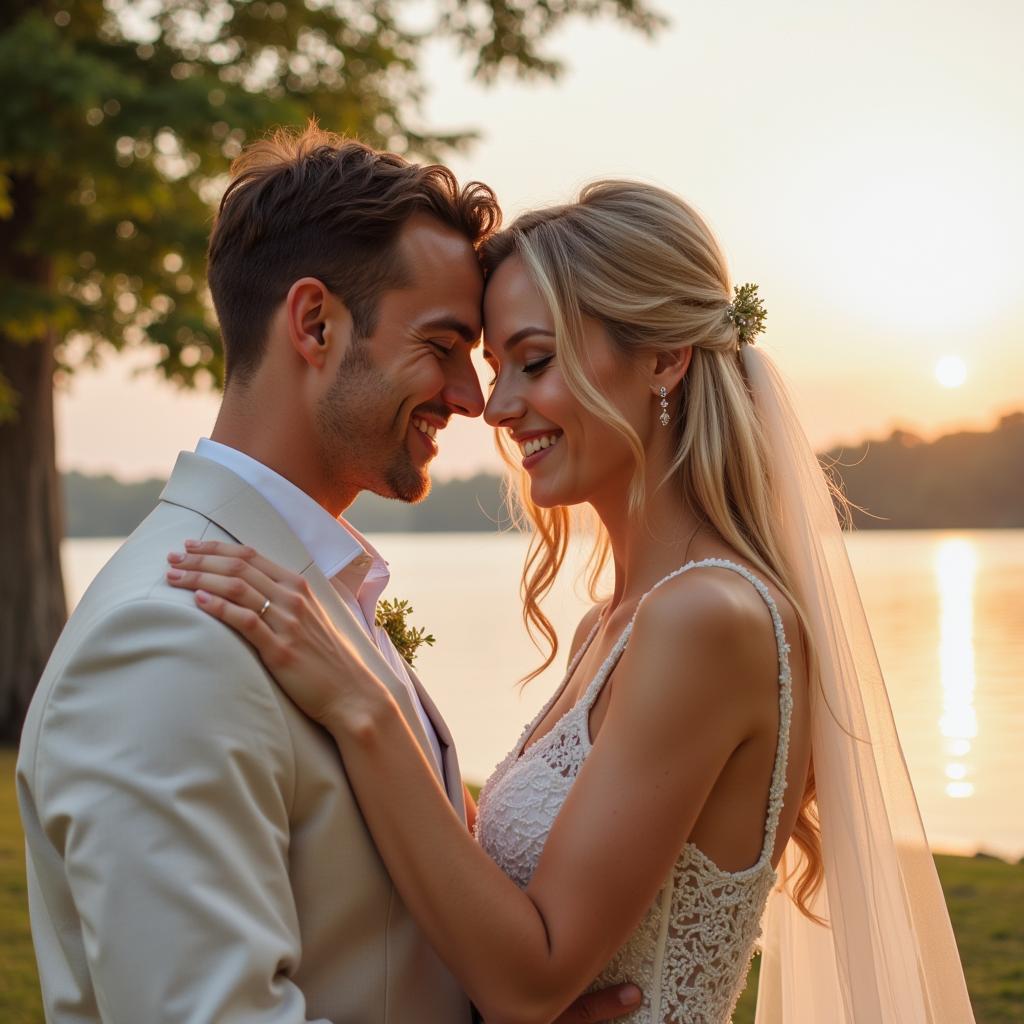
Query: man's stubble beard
[{"x": 356, "y": 448}]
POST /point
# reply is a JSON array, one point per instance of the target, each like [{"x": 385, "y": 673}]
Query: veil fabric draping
[{"x": 887, "y": 954}]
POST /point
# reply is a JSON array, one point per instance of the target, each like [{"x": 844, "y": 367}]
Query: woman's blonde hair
[{"x": 646, "y": 266}]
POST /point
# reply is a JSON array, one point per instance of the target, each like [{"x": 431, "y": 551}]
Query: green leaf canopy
[{"x": 120, "y": 120}]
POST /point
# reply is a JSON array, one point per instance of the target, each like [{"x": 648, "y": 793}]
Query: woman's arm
[{"x": 524, "y": 956}]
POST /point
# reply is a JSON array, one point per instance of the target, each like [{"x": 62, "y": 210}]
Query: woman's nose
[{"x": 504, "y": 405}]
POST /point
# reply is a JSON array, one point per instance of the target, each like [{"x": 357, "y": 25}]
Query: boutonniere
[{"x": 391, "y": 617}]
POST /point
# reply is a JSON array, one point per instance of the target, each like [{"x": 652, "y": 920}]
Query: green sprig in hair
[{"x": 747, "y": 312}]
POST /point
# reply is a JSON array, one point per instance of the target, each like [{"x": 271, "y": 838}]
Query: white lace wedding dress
[{"x": 691, "y": 953}]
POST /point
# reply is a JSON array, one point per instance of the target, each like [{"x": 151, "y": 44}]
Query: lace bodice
[{"x": 692, "y": 950}]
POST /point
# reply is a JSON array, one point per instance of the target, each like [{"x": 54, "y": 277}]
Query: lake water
[{"x": 946, "y": 608}]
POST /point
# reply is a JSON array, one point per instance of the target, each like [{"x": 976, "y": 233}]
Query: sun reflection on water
[{"x": 956, "y": 566}]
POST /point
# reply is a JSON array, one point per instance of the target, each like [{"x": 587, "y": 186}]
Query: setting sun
[{"x": 951, "y": 371}]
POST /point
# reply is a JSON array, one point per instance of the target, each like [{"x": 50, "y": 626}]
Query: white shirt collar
[{"x": 332, "y": 544}]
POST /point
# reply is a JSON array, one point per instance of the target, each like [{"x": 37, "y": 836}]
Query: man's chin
[
  {"x": 413, "y": 496},
  {"x": 408, "y": 485}
]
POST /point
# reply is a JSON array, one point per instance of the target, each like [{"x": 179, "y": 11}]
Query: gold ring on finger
[{"x": 266, "y": 605}]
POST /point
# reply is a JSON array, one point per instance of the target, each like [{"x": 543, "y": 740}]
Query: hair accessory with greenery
[
  {"x": 747, "y": 312},
  {"x": 391, "y": 615}
]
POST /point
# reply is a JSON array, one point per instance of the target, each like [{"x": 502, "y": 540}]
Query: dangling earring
[{"x": 664, "y": 417}]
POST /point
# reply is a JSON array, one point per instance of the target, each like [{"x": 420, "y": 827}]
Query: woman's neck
[{"x": 647, "y": 545}]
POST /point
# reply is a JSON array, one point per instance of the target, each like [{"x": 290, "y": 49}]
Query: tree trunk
[{"x": 32, "y": 604}]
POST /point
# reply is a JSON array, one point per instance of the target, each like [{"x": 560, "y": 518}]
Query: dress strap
[
  {"x": 778, "y": 783},
  {"x": 531, "y": 727},
  {"x": 596, "y": 685}
]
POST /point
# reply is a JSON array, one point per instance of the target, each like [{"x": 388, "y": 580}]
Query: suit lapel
[
  {"x": 224, "y": 498},
  {"x": 452, "y": 774}
]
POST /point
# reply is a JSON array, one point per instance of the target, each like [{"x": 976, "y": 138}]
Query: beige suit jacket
[{"x": 195, "y": 853}]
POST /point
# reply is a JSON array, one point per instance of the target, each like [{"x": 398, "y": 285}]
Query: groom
[{"x": 194, "y": 851}]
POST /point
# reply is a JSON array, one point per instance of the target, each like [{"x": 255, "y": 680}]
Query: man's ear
[
  {"x": 311, "y": 312},
  {"x": 669, "y": 368}
]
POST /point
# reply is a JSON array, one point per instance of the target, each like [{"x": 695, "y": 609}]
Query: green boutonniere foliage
[{"x": 392, "y": 615}]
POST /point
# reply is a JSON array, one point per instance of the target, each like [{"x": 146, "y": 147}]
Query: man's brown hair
[{"x": 312, "y": 204}]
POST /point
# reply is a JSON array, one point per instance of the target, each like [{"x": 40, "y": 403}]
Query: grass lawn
[
  {"x": 19, "y": 989},
  {"x": 985, "y": 897},
  {"x": 986, "y": 905}
]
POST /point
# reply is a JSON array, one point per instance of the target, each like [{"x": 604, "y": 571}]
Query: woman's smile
[{"x": 536, "y": 444}]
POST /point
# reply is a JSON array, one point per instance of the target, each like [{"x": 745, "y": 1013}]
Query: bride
[{"x": 719, "y": 765}]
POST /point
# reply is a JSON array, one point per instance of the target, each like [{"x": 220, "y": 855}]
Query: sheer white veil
[{"x": 886, "y": 954}]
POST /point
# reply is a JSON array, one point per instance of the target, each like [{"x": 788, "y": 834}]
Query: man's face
[{"x": 398, "y": 387}]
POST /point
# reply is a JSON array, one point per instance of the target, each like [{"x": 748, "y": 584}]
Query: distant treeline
[
  {"x": 101, "y": 506},
  {"x": 969, "y": 480},
  {"x": 960, "y": 481}
]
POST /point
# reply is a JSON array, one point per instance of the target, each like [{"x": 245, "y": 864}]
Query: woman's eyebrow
[{"x": 524, "y": 333}]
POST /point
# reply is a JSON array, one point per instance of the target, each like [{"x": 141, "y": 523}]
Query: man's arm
[{"x": 162, "y": 779}]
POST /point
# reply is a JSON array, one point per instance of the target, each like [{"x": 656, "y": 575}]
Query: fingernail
[
  {"x": 175, "y": 556},
  {"x": 630, "y": 996},
  {"x": 202, "y": 596},
  {"x": 174, "y": 574},
  {"x": 191, "y": 544}
]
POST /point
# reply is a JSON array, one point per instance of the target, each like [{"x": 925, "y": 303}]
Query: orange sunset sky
[{"x": 861, "y": 162}]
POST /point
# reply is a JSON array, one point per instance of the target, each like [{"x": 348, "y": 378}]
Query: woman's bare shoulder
[{"x": 707, "y": 630}]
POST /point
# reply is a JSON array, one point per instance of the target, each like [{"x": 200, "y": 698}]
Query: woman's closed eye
[
  {"x": 537, "y": 365},
  {"x": 532, "y": 368}
]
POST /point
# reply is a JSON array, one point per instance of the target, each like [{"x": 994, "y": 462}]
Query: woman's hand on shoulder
[{"x": 274, "y": 609}]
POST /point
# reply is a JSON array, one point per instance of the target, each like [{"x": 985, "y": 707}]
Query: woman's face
[{"x": 571, "y": 455}]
